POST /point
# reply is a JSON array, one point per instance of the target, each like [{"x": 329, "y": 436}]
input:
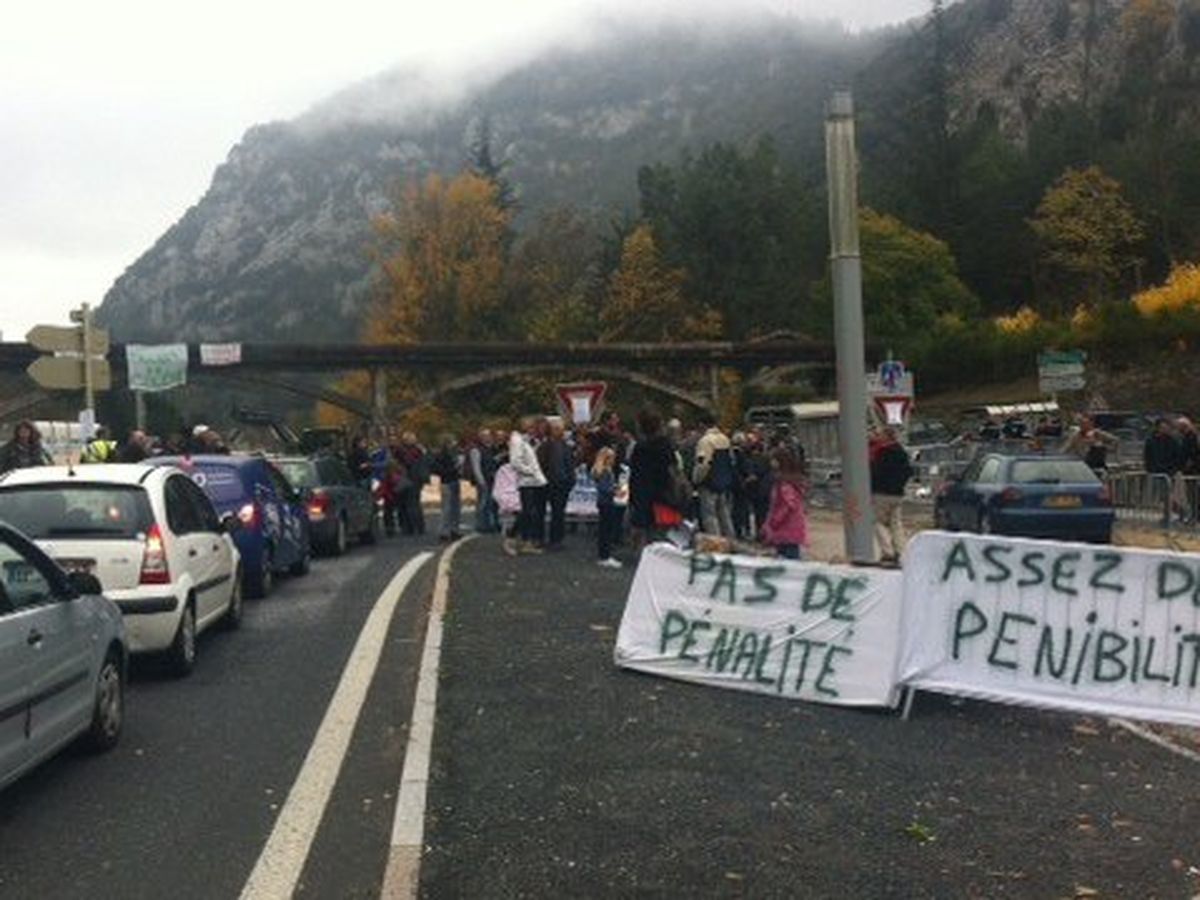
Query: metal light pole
[{"x": 841, "y": 160}]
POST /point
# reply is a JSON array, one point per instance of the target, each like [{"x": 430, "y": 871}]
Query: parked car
[
  {"x": 337, "y": 505},
  {"x": 273, "y": 536},
  {"x": 150, "y": 536},
  {"x": 1027, "y": 496},
  {"x": 62, "y": 659}
]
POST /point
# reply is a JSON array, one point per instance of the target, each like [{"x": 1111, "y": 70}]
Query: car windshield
[
  {"x": 300, "y": 473},
  {"x": 76, "y": 510},
  {"x": 1052, "y": 471},
  {"x": 223, "y": 484}
]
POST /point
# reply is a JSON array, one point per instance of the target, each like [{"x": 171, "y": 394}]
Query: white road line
[
  {"x": 282, "y": 860},
  {"x": 403, "y": 875},
  {"x": 1154, "y": 738}
]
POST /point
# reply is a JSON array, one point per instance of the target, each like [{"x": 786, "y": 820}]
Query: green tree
[{"x": 1088, "y": 233}]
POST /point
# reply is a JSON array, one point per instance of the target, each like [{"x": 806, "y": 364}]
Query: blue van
[{"x": 273, "y": 537}]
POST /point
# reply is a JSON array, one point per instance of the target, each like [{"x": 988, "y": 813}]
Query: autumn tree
[
  {"x": 442, "y": 257},
  {"x": 1087, "y": 231},
  {"x": 646, "y": 301}
]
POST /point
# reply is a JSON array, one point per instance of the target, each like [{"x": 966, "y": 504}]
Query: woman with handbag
[{"x": 654, "y": 481}]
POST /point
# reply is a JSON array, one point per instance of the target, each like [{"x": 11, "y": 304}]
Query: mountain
[{"x": 279, "y": 246}]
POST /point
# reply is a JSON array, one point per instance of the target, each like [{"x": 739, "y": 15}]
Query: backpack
[{"x": 720, "y": 472}]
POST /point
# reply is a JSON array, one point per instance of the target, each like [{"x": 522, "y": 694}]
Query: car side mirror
[
  {"x": 84, "y": 584},
  {"x": 230, "y": 523}
]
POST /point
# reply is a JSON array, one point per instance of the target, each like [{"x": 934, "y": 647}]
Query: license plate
[
  {"x": 82, "y": 566},
  {"x": 1063, "y": 502}
]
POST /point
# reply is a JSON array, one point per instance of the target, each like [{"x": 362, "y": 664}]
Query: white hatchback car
[{"x": 151, "y": 537}]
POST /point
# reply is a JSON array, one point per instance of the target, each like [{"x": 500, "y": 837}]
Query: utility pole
[{"x": 841, "y": 160}]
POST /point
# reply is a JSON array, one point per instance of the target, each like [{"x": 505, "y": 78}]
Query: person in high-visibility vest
[{"x": 99, "y": 449}]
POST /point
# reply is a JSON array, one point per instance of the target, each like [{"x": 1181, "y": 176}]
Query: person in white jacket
[{"x": 531, "y": 485}]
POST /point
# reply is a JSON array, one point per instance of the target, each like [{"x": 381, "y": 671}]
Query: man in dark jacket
[
  {"x": 1163, "y": 456},
  {"x": 891, "y": 470},
  {"x": 558, "y": 465}
]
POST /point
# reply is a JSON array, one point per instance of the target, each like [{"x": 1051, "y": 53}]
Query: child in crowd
[
  {"x": 786, "y": 528},
  {"x": 604, "y": 474}
]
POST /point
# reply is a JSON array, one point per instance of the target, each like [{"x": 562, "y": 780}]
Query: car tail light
[
  {"x": 318, "y": 505},
  {"x": 154, "y": 559},
  {"x": 1010, "y": 497},
  {"x": 248, "y": 514}
]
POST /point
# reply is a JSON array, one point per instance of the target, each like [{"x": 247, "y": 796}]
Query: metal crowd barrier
[{"x": 1164, "y": 501}]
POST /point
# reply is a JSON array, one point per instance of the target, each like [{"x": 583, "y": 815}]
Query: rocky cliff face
[{"x": 278, "y": 247}]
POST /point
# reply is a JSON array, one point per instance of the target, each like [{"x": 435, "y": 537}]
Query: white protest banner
[
  {"x": 156, "y": 367},
  {"x": 1094, "y": 629},
  {"x": 803, "y": 631},
  {"x": 220, "y": 354}
]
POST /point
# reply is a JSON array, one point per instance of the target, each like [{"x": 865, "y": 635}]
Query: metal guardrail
[{"x": 1163, "y": 501}]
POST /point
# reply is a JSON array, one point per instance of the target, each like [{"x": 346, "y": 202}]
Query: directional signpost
[
  {"x": 1060, "y": 372},
  {"x": 77, "y": 358}
]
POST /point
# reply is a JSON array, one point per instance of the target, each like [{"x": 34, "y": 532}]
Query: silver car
[{"x": 62, "y": 659}]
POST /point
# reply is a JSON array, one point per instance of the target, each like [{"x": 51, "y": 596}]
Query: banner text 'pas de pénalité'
[{"x": 797, "y": 630}]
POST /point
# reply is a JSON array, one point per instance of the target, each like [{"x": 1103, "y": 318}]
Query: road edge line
[
  {"x": 281, "y": 862},
  {"x": 1158, "y": 740},
  {"x": 402, "y": 877}
]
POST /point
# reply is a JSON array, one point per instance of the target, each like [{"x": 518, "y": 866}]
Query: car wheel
[
  {"x": 233, "y": 615},
  {"x": 182, "y": 655},
  {"x": 302, "y": 565},
  {"x": 108, "y": 709},
  {"x": 340, "y": 539}
]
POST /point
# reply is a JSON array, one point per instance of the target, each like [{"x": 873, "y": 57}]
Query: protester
[
  {"x": 25, "y": 450},
  {"x": 891, "y": 470},
  {"x": 713, "y": 477},
  {"x": 605, "y": 474},
  {"x": 415, "y": 460},
  {"x": 136, "y": 448},
  {"x": 653, "y": 505},
  {"x": 531, "y": 484},
  {"x": 359, "y": 461},
  {"x": 786, "y": 525},
  {"x": 447, "y": 465},
  {"x": 100, "y": 449},
  {"x": 1091, "y": 444},
  {"x": 758, "y": 480},
  {"x": 558, "y": 465},
  {"x": 481, "y": 467},
  {"x": 741, "y": 486},
  {"x": 393, "y": 483},
  {"x": 1162, "y": 452}
]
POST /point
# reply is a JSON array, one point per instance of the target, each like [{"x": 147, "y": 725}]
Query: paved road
[
  {"x": 555, "y": 775},
  {"x": 182, "y": 808}
]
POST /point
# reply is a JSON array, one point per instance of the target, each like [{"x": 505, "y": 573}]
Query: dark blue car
[
  {"x": 273, "y": 537},
  {"x": 1052, "y": 497}
]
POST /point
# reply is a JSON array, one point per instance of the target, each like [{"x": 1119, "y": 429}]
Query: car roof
[
  {"x": 1031, "y": 457},
  {"x": 211, "y": 459},
  {"x": 134, "y": 474}
]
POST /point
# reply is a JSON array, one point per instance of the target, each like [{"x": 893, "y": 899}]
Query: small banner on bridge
[
  {"x": 157, "y": 367},
  {"x": 220, "y": 354},
  {"x": 1101, "y": 630},
  {"x": 803, "y": 631}
]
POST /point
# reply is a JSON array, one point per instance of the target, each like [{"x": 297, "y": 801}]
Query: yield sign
[
  {"x": 581, "y": 403},
  {"x": 893, "y": 410}
]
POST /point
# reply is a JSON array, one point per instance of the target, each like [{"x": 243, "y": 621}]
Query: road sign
[
  {"x": 581, "y": 403},
  {"x": 65, "y": 373},
  {"x": 1062, "y": 371},
  {"x": 56, "y": 339}
]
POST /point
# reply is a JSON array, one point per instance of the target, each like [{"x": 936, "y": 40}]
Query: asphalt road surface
[
  {"x": 183, "y": 806},
  {"x": 556, "y": 775}
]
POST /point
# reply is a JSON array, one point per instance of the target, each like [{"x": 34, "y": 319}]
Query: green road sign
[{"x": 65, "y": 373}]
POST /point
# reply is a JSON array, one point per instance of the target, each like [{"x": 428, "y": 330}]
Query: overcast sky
[{"x": 116, "y": 113}]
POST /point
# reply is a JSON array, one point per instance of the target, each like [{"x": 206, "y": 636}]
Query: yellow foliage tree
[
  {"x": 645, "y": 299},
  {"x": 442, "y": 256},
  {"x": 1022, "y": 321},
  {"x": 1182, "y": 291},
  {"x": 1087, "y": 229}
]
